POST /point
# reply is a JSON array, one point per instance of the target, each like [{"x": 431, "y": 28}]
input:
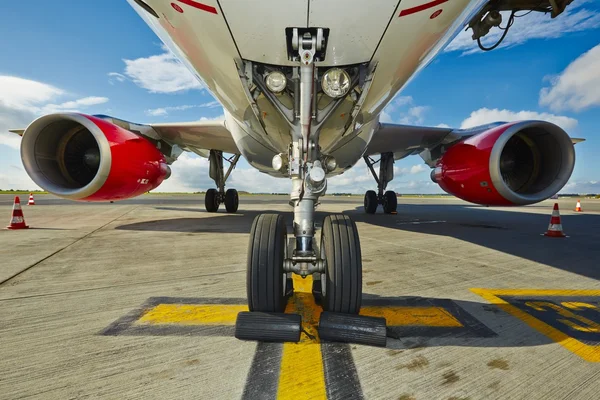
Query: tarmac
[{"x": 137, "y": 299}]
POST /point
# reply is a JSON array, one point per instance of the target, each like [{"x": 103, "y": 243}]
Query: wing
[
  {"x": 405, "y": 140},
  {"x": 197, "y": 136},
  {"x": 205, "y": 135}
]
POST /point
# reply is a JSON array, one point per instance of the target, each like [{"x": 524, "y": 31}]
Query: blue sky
[{"x": 100, "y": 57}]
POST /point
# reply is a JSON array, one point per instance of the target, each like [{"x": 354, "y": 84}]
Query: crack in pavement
[{"x": 16, "y": 274}]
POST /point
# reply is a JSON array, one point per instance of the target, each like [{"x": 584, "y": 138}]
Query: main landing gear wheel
[
  {"x": 266, "y": 282},
  {"x": 390, "y": 202},
  {"x": 211, "y": 200},
  {"x": 232, "y": 200},
  {"x": 341, "y": 284},
  {"x": 371, "y": 202}
]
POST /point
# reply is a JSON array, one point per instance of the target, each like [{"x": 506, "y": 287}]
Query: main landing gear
[
  {"x": 387, "y": 199},
  {"x": 215, "y": 197},
  {"x": 334, "y": 262}
]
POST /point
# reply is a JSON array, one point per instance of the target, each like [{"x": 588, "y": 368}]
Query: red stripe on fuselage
[
  {"x": 422, "y": 7},
  {"x": 199, "y": 6}
]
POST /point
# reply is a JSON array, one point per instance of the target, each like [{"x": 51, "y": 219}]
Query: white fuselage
[{"x": 396, "y": 39}]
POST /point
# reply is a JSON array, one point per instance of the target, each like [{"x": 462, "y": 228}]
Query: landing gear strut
[
  {"x": 387, "y": 199},
  {"x": 214, "y": 197},
  {"x": 335, "y": 264}
]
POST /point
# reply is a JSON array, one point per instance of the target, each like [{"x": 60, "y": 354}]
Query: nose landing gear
[{"x": 336, "y": 263}]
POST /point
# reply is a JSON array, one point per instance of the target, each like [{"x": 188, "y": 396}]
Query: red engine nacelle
[
  {"x": 81, "y": 157},
  {"x": 512, "y": 164}
]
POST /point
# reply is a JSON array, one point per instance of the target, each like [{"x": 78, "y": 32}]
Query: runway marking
[
  {"x": 305, "y": 355},
  {"x": 309, "y": 368},
  {"x": 401, "y": 316},
  {"x": 193, "y": 314},
  {"x": 568, "y": 317}
]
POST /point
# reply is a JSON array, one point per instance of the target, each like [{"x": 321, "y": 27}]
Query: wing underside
[{"x": 198, "y": 136}]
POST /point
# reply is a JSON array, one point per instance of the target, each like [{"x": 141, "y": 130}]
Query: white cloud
[
  {"x": 14, "y": 177},
  {"x": 11, "y": 118},
  {"x": 116, "y": 77},
  {"x": 414, "y": 115},
  {"x": 22, "y": 100},
  {"x": 163, "y": 111},
  {"x": 582, "y": 187},
  {"x": 358, "y": 179},
  {"x": 190, "y": 174},
  {"x": 162, "y": 73},
  {"x": 157, "y": 112},
  {"x": 486, "y": 116},
  {"x": 252, "y": 180},
  {"x": 532, "y": 26},
  {"x": 415, "y": 169},
  {"x": 73, "y": 105},
  {"x": 396, "y": 112},
  {"x": 400, "y": 101},
  {"x": 442, "y": 126},
  {"x": 577, "y": 87},
  {"x": 24, "y": 94},
  {"x": 385, "y": 117}
]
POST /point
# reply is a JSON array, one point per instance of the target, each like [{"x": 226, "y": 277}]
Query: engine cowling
[
  {"x": 81, "y": 157},
  {"x": 512, "y": 164}
]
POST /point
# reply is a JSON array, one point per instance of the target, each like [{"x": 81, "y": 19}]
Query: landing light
[
  {"x": 276, "y": 81},
  {"x": 335, "y": 83},
  {"x": 280, "y": 162}
]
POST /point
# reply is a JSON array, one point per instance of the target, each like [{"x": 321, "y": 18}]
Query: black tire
[
  {"x": 340, "y": 247},
  {"x": 390, "y": 202},
  {"x": 289, "y": 286},
  {"x": 211, "y": 200},
  {"x": 317, "y": 290},
  {"x": 232, "y": 200},
  {"x": 371, "y": 202},
  {"x": 266, "y": 252}
]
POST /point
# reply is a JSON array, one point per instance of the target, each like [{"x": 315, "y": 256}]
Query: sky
[{"x": 100, "y": 58}]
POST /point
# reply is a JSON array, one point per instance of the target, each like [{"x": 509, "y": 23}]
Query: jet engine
[
  {"x": 512, "y": 164},
  {"x": 81, "y": 157}
]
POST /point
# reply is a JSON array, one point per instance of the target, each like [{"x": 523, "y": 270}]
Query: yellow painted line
[
  {"x": 301, "y": 375},
  {"x": 193, "y": 314},
  {"x": 587, "y": 352},
  {"x": 400, "y": 316},
  {"x": 302, "y": 285}
]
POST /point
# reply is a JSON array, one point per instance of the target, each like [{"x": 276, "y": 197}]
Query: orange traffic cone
[
  {"x": 555, "y": 227},
  {"x": 578, "y": 206},
  {"x": 31, "y": 201},
  {"x": 17, "y": 221}
]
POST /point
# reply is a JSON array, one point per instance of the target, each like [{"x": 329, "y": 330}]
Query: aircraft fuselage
[{"x": 389, "y": 41}]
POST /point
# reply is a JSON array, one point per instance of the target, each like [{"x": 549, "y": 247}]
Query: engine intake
[
  {"x": 512, "y": 164},
  {"x": 81, "y": 157}
]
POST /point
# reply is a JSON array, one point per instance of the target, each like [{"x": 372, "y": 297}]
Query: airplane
[{"x": 303, "y": 84}]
